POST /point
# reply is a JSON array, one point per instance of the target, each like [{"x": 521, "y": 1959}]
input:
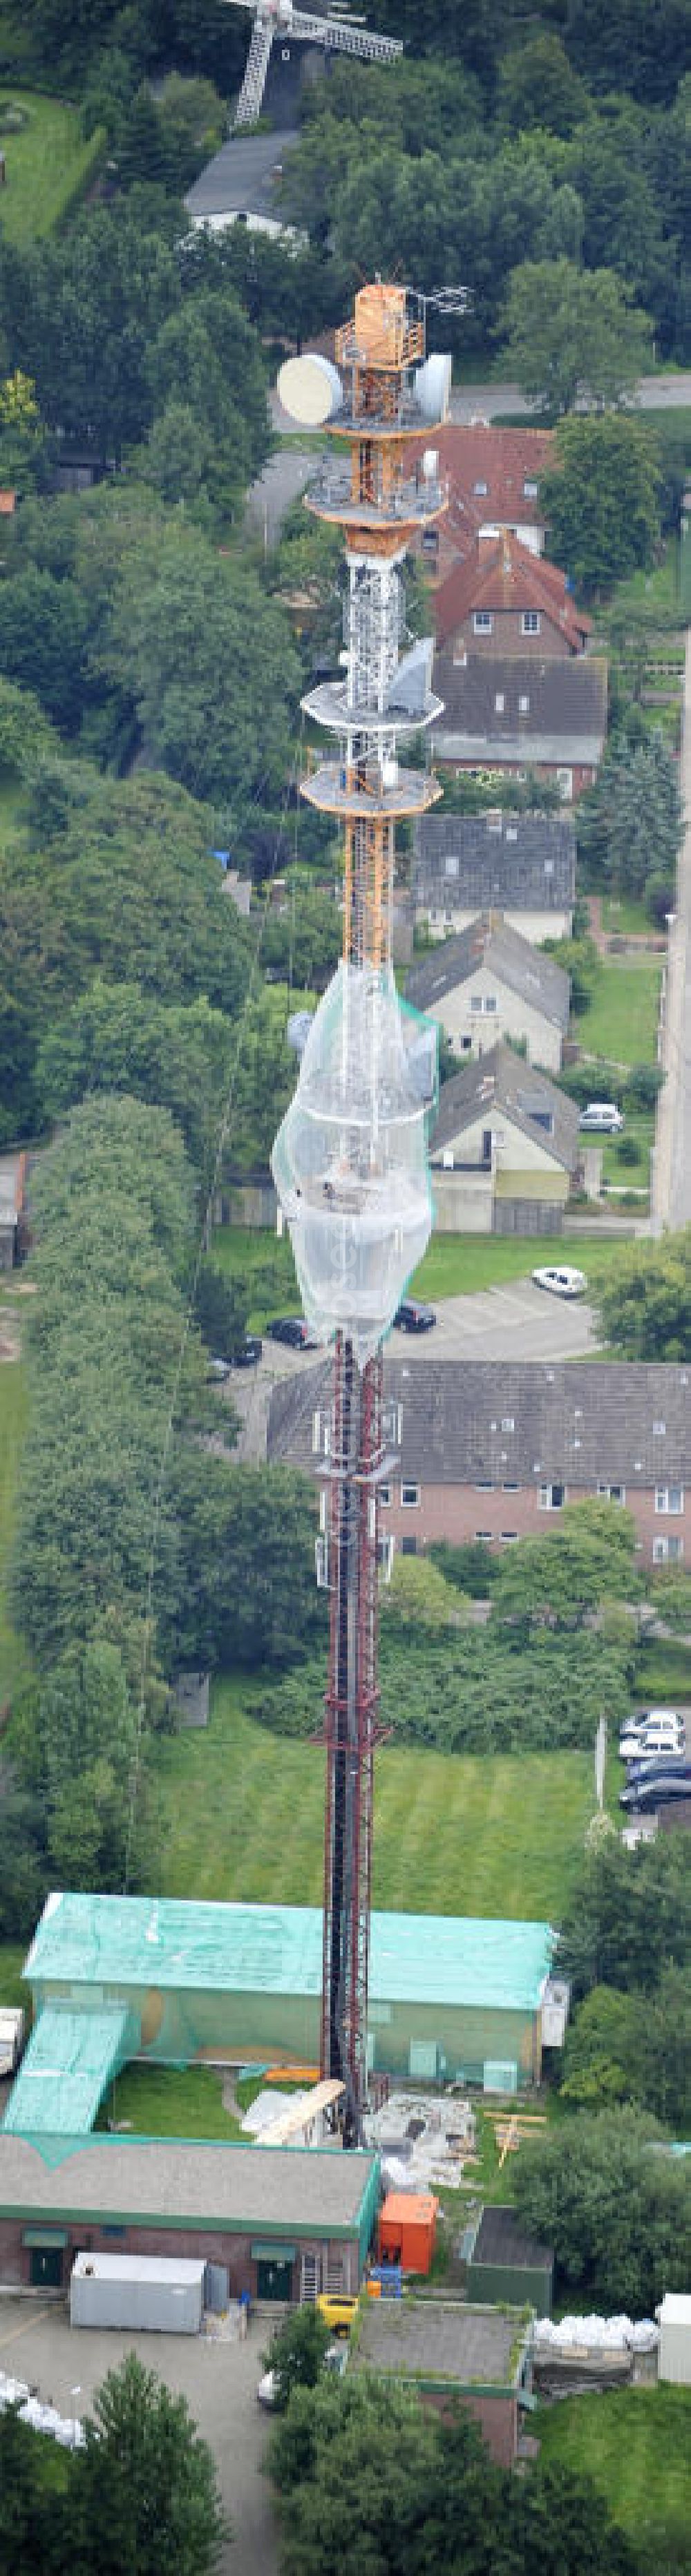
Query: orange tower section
[{"x": 380, "y": 501}]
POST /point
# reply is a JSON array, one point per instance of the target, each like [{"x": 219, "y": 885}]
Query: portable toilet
[{"x": 407, "y": 2230}]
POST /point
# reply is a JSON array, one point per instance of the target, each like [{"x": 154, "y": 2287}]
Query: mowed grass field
[
  {"x": 620, "y": 1023},
  {"x": 456, "y": 1265},
  {"x": 243, "y": 1818},
  {"x": 43, "y": 163},
  {"x": 635, "y": 2446}
]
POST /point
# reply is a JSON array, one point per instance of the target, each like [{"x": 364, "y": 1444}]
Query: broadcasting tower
[{"x": 350, "y": 1159}]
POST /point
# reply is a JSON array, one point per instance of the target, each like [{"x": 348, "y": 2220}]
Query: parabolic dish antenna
[
  {"x": 310, "y": 389},
  {"x": 433, "y": 385}
]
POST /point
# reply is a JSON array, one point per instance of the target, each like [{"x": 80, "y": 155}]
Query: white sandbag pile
[
  {"x": 65, "y": 2429},
  {"x": 580, "y": 2335}
]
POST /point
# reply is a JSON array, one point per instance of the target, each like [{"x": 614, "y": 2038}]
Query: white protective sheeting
[{"x": 350, "y": 1159}]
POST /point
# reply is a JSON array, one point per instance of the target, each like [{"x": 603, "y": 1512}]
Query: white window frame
[
  {"x": 545, "y": 1493},
  {"x": 662, "y": 1500},
  {"x": 499, "y": 703},
  {"x": 508, "y": 1422},
  {"x": 479, "y": 490},
  {"x": 483, "y": 622},
  {"x": 410, "y": 1497},
  {"x": 530, "y": 489},
  {"x": 611, "y": 1493},
  {"x": 662, "y": 1548},
  {"x": 530, "y": 621},
  {"x": 524, "y": 706},
  {"x": 484, "y": 1485}
]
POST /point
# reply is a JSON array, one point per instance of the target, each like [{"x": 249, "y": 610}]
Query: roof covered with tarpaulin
[
  {"x": 69, "y": 2061},
  {"x": 136, "y": 1941}
]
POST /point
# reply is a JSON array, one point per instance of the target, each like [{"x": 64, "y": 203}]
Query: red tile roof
[
  {"x": 504, "y": 460},
  {"x": 503, "y": 575}
]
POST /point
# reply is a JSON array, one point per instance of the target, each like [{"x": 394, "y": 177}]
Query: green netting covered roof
[
  {"x": 112, "y": 1941},
  {"x": 68, "y": 2062}
]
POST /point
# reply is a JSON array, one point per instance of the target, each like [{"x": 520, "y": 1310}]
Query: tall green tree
[
  {"x": 647, "y": 1314},
  {"x": 617, "y": 2212},
  {"x": 602, "y": 498},
  {"x": 145, "y": 2487},
  {"x": 573, "y": 335}
]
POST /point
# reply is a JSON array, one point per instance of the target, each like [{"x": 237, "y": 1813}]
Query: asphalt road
[
  {"x": 492, "y": 402},
  {"x": 653, "y": 393},
  {"x": 219, "y": 2381}
]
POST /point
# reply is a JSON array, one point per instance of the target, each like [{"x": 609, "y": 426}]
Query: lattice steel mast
[{"x": 350, "y": 1160}]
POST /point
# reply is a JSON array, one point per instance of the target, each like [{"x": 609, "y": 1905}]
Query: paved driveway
[
  {"x": 516, "y": 1322},
  {"x": 219, "y": 2381}
]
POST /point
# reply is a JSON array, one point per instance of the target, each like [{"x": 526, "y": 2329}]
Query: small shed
[
  {"x": 407, "y": 2230},
  {"x": 674, "y": 2320},
  {"x": 142, "y": 2293},
  {"x": 505, "y": 2267}
]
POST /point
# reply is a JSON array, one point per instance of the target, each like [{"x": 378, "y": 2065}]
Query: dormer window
[
  {"x": 529, "y": 489},
  {"x": 480, "y": 488}
]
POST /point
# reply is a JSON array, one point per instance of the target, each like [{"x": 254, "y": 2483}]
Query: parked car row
[{"x": 658, "y": 1765}]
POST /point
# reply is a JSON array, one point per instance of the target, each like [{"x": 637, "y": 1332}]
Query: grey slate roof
[
  {"x": 501, "y": 1081},
  {"x": 177, "y": 2179},
  {"x": 489, "y": 941},
  {"x": 430, "y": 2338},
  {"x": 565, "y": 721},
  {"x": 573, "y": 1422},
  {"x": 242, "y": 179},
  {"x": 523, "y": 862}
]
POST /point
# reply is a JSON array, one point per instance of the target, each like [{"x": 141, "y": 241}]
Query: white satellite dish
[
  {"x": 433, "y": 385},
  {"x": 310, "y": 389}
]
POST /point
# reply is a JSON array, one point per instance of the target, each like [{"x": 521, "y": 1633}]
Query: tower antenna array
[
  {"x": 350, "y": 1159},
  {"x": 332, "y": 32}
]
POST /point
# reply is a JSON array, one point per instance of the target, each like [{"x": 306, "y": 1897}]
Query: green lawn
[
  {"x": 169, "y": 2102},
  {"x": 243, "y": 1818},
  {"x": 456, "y": 1265},
  {"x": 620, "y": 1023},
  {"x": 13, "y": 1658},
  {"x": 44, "y": 164},
  {"x": 12, "y": 1991},
  {"x": 624, "y": 916},
  {"x": 635, "y": 2445},
  {"x": 640, "y": 1124}
]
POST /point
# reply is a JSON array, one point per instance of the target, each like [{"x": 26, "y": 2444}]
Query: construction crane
[
  {"x": 350, "y": 1160},
  {"x": 333, "y": 33}
]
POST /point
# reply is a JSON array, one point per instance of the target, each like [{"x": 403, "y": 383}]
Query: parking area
[
  {"x": 218, "y": 2379},
  {"x": 515, "y": 1322}
]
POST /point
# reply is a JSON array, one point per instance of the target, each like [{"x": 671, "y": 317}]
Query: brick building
[
  {"x": 493, "y": 476},
  {"x": 513, "y": 714},
  {"x": 504, "y": 599},
  {"x": 284, "y": 2221},
  {"x": 493, "y": 1451}
]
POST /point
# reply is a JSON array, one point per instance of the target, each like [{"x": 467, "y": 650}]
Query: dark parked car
[
  {"x": 414, "y": 1317},
  {"x": 293, "y": 1329},
  {"x": 249, "y": 1352},
  {"x": 658, "y": 1790}
]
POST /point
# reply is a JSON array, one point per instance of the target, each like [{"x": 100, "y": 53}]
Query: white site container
[
  {"x": 11, "y": 2039},
  {"x": 145, "y": 2292},
  {"x": 674, "y": 2320}
]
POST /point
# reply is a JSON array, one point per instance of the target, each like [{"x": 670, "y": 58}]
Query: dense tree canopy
[
  {"x": 647, "y": 1316},
  {"x": 573, "y": 335},
  {"x": 602, "y": 498},
  {"x": 629, "y": 1915},
  {"x": 616, "y": 2209}
]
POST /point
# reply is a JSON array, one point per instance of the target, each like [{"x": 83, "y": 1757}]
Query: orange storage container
[{"x": 407, "y": 2230}]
